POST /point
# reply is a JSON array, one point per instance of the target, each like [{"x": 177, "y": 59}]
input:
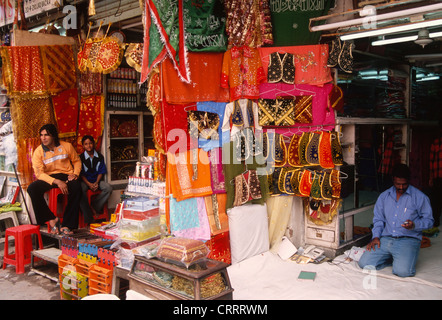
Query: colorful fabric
[
  {"x": 325, "y": 152},
  {"x": 240, "y": 114},
  {"x": 66, "y": 112},
  {"x": 219, "y": 247},
  {"x": 219, "y": 109},
  {"x": 23, "y": 70},
  {"x": 436, "y": 159},
  {"x": 90, "y": 119},
  {"x": 164, "y": 38},
  {"x": 248, "y": 23},
  {"x": 310, "y": 62},
  {"x": 205, "y": 70},
  {"x": 216, "y": 212},
  {"x": 183, "y": 214},
  {"x": 91, "y": 83},
  {"x": 216, "y": 171},
  {"x": 181, "y": 170},
  {"x": 281, "y": 68},
  {"x": 58, "y": 68},
  {"x": 177, "y": 138},
  {"x": 291, "y": 20},
  {"x": 24, "y": 120},
  {"x": 242, "y": 72},
  {"x": 200, "y": 232},
  {"x": 205, "y": 26},
  {"x": 322, "y": 114}
]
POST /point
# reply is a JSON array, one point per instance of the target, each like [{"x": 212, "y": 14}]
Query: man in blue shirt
[
  {"x": 401, "y": 213},
  {"x": 92, "y": 173}
]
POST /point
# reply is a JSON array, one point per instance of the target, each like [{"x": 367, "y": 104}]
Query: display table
[{"x": 165, "y": 281}]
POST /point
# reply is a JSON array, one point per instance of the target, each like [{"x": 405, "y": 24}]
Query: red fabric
[
  {"x": 91, "y": 119},
  {"x": 219, "y": 246},
  {"x": 66, "y": 112}
]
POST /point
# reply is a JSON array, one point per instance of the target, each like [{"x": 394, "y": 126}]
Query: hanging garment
[
  {"x": 305, "y": 138},
  {"x": 315, "y": 191},
  {"x": 293, "y": 158},
  {"x": 335, "y": 183},
  {"x": 284, "y": 180},
  {"x": 240, "y": 114},
  {"x": 213, "y": 107},
  {"x": 165, "y": 37},
  {"x": 337, "y": 156},
  {"x": 216, "y": 212},
  {"x": 305, "y": 183},
  {"x": 247, "y": 188},
  {"x": 325, "y": 152},
  {"x": 203, "y": 124},
  {"x": 181, "y": 170},
  {"x": 295, "y": 180},
  {"x": 242, "y": 72},
  {"x": 281, "y": 69},
  {"x": 312, "y": 149},
  {"x": 310, "y": 63},
  {"x": 326, "y": 187},
  {"x": 216, "y": 171}
]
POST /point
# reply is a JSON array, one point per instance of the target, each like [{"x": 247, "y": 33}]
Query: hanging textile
[
  {"x": 205, "y": 84},
  {"x": 216, "y": 211},
  {"x": 216, "y": 170},
  {"x": 205, "y": 26},
  {"x": 219, "y": 247},
  {"x": 102, "y": 55},
  {"x": 310, "y": 62},
  {"x": 91, "y": 119},
  {"x": 202, "y": 230},
  {"x": 181, "y": 170},
  {"x": 219, "y": 109},
  {"x": 23, "y": 70},
  {"x": 242, "y": 72},
  {"x": 66, "y": 112},
  {"x": 134, "y": 55},
  {"x": 279, "y": 211},
  {"x": 176, "y": 134},
  {"x": 291, "y": 20},
  {"x": 248, "y": 23},
  {"x": 165, "y": 37},
  {"x": 91, "y": 83},
  {"x": 58, "y": 68}
]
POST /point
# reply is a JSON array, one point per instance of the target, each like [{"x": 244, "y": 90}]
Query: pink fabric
[
  {"x": 198, "y": 233},
  {"x": 216, "y": 170},
  {"x": 323, "y": 113}
]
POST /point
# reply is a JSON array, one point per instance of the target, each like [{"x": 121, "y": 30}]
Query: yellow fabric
[{"x": 278, "y": 210}]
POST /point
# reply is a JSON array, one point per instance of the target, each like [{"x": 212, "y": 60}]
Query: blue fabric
[
  {"x": 183, "y": 214},
  {"x": 214, "y": 107},
  {"x": 401, "y": 253},
  {"x": 390, "y": 213}
]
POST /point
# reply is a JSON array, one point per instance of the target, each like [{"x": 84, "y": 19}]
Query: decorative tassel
[{"x": 91, "y": 9}]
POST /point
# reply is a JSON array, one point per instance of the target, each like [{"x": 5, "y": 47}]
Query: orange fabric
[
  {"x": 242, "y": 72},
  {"x": 310, "y": 62},
  {"x": 222, "y": 213},
  {"x": 181, "y": 171},
  {"x": 205, "y": 76}
]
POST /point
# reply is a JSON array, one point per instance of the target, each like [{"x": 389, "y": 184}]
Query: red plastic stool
[
  {"x": 23, "y": 246},
  {"x": 104, "y": 215},
  {"x": 53, "y": 204}
]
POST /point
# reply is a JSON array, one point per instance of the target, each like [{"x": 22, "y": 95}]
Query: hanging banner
[{"x": 31, "y": 8}]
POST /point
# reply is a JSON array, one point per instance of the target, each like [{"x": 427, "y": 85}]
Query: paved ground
[{"x": 26, "y": 286}]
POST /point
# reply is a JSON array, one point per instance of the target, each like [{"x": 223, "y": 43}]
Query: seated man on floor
[
  {"x": 92, "y": 174},
  {"x": 401, "y": 213},
  {"x": 56, "y": 165}
]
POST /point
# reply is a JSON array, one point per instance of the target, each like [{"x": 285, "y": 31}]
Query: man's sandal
[{"x": 66, "y": 231}]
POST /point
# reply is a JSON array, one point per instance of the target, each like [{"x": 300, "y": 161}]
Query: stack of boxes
[
  {"x": 85, "y": 270},
  {"x": 140, "y": 219}
]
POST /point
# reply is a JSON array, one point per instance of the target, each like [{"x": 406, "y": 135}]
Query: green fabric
[
  {"x": 168, "y": 13},
  {"x": 205, "y": 25},
  {"x": 291, "y": 19},
  {"x": 232, "y": 168}
]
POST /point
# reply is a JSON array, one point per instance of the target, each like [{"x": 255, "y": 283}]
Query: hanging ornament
[{"x": 91, "y": 9}]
